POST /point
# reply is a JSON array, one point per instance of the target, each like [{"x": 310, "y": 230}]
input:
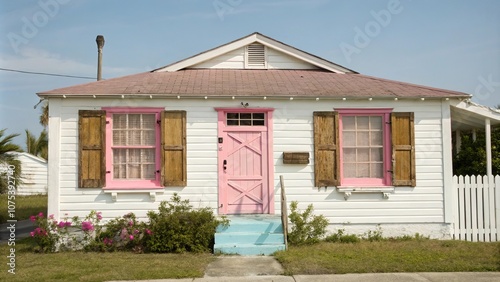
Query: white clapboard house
[{"x": 220, "y": 128}]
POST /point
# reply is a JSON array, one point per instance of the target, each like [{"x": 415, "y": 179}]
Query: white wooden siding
[
  {"x": 236, "y": 60},
  {"x": 292, "y": 131},
  {"x": 33, "y": 173}
]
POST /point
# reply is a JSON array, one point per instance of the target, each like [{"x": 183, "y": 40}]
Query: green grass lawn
[
  {"x": 25, "y": 206},
  {"x": 391, "y": 256},
  {"x": 82, "y": 266}
]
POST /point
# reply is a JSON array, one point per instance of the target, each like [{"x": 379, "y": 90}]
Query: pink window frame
[
  {"x": 131, "y": 184},
  {"x": 385, "y": 113}
]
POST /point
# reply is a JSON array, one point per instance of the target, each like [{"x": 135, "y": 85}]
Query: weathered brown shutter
[
  {"x": 326, "y": 149},
  {"x": 403, "y": 149},
  {"x": 173, "y": 154},
  {"x": 91, "y": 152}
]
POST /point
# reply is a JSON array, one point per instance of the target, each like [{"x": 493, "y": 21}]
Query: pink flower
[
  {"x": 130, "y": 223},
  {"x": 61, "y": 224},
  {"x": 148, "y": 232},
  {"x": 33, "y": 218},
  {"x": 87, "y": 226},
  {"x": 51, "y": 216},
  {"x": 67, "y": 223},
  {"x": 136, "y": 231},
  {"x": 107, "y": 241},
  {"x": 40, "y": 215},
  {"x": 99, "y": 216},
  {"x": 131, "y": 237},
  {"x": 32, "y": 234}
]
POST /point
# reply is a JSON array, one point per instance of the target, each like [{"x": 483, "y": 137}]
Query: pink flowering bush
[
  {"x": 51, "y": 235},
  {"x": 125, "y": 233}
]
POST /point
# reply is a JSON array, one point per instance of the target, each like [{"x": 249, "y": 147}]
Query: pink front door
[{"x": 244, "y": 170}]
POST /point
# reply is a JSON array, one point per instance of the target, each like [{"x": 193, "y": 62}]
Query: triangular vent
[{"x": 256, "y": 56}]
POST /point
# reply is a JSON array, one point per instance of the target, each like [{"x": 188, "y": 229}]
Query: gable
[
  {"x": 254, "y": 56},
  {"x": 215, "y": 57}
]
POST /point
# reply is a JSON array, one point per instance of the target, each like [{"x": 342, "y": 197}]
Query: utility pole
[{"x": 100, "y": 44}]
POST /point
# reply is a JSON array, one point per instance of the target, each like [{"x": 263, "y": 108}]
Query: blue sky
[{"x": 451, "y": 44}]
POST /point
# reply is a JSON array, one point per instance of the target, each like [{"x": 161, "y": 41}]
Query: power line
[{"x": 49, "y": 74}]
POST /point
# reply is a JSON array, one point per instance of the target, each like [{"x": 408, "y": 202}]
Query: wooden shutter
[
  {"x": 173, "y": 153},
  {"x": 403, "y": 149},
  {"x": 326, "y": 149},
  {"x": 91, "y": 149}
]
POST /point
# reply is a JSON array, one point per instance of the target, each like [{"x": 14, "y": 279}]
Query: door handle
[{"x": 224, "y": 163}]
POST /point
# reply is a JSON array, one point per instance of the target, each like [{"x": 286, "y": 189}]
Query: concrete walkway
[{"x": 266, "y": 268}]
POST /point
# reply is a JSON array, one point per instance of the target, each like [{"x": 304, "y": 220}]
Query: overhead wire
[{"x": 48, "y": 74}]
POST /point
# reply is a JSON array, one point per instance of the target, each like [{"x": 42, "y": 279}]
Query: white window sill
[
  {"x": 386, "y": 191},
  {"x": 114, "y": 192}
]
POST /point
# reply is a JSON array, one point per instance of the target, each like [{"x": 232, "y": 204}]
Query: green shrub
[
  {"x": 124, "y": 233},
  {"x": 178, "y": 228},
  {"x": 306, "y": 227},
  {"x": 375, "y": 235},
  {"x": 340, "y": 237}
]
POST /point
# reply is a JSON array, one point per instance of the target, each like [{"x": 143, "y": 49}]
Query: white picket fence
[{"x": 477, "y": 210}]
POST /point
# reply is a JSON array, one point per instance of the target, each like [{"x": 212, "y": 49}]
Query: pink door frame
[{"x": 268, "y": 176}]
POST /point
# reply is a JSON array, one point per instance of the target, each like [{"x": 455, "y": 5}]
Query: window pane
[
  {"x": 245, "y": 122},
  {"x": 348, "y": 123},
  {"x": 245, "y": 115},
  {"x": 133, "y": 171},
  {"x": 376, "y": 123},
  {"x": 363, "y": 171},
  {"x": 119, "y": 156},
  {"x": 134, "y": 121},
  {"x": 258, "y": 122},
  {"x": 377, "y": 170},
  {"x": 148, "y": 121},
  {"x": 134, "y": 156},
  {"x": 148, "y": 156},
  {"x": 258, "y": 115},
  {"x": 134, "y": 138},
  {"x": 349, "y": 155},
  {"x": 362, "y": 123},
  {"x": 376, "y": 138},
  {"x": 119, "y": 137},
  {"x": 363, "y": 138},
  {"x": 148, "y": 171},
  {"x": 349, "y": 138},
  {"x": 119, "y": 121},
  {"x": 376, "y": 154},
  {"x": 232, "y": 122},
  {"x": 233, "y": 116},
  {"x": 119, "y": 171},
  {"x": 363, "y": 155},
  {"x": 149, "y": 138},
  {"x": 350, "y": 170}
]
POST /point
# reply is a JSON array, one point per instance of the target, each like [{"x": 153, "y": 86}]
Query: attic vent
[{"x": 256, "y": 56}]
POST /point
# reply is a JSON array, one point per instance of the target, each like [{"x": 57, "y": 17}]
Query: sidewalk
[
  {"x": 266, "y": 268},
  {"x": 22, "y": 227},
  {"x": 366, "y": 277}
]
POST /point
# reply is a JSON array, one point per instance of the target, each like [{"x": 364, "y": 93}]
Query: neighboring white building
[
  {"x": 219, "y": 128},
  {"x": 33, "y": 173}
]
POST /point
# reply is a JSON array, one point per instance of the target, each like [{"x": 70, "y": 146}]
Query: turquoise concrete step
[
  {"x": 250, "y": 235},
  {"x": 250, "y": 238},
  {"x": 253, "y": 223},
  {"x": 248, "y": 249}
]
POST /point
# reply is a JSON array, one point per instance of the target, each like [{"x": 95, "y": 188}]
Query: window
[
  {"x": 364, "y": 148},
  {"x": 132, "y": 148},
  {"x": 245, "y": 119},
  {"x": 133, "y": 158}
]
